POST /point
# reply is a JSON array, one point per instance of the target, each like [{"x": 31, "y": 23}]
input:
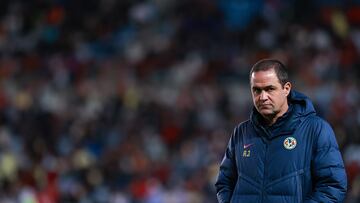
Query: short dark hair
[{"x": 267, "y": 64}]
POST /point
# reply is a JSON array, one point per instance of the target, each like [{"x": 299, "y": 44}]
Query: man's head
[{"x": 270, "y": 87}]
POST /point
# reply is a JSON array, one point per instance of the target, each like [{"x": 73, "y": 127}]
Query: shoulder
[
  {"x": 243, "y": 128},
  {"x": 322, "y": 130},
  {"x": 317, "y": 123}
]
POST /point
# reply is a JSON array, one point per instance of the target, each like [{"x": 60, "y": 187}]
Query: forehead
[{"x": 264, "y": 78}]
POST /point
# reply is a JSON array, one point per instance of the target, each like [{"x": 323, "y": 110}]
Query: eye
[
  {"x": 256, "y": 90},
  {"x": 270, "y": 89}
]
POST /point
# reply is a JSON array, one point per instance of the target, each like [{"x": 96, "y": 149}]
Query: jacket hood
[{"x": 300, "y": 107}]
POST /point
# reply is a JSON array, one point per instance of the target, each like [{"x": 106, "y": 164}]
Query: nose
[{"x": 263, "y": 96}]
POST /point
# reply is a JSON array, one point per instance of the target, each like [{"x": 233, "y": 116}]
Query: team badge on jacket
[{"x": 289, "y": 143}]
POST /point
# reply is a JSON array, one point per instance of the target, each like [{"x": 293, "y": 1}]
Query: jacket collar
[{"x": 299, "y": 108}]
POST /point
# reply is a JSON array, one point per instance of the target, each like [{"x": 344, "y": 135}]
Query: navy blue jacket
[{"x": 295, "y": 160}]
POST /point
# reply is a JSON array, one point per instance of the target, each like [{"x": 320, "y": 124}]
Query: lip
[{"x": 265, "y": 106}]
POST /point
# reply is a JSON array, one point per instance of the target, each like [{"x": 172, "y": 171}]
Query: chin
[{"x": 266, "y": 112}]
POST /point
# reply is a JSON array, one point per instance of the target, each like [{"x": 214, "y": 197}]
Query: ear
[{"x": 287, "y": 88}]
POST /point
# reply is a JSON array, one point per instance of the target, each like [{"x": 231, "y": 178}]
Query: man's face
[{"x": 269, "y": 97}]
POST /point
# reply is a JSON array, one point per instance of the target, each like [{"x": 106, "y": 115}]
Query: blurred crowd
[{"x": 134, "y": 101}]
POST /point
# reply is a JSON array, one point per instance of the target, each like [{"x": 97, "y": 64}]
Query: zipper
[
  {"x": 264, "y": 173},
  {"x": 266, "y": 142}
]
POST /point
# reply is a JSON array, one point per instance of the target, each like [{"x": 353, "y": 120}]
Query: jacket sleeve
[
  {"x": 227, "y": 176},
  {"x": 328, "y": 172}
]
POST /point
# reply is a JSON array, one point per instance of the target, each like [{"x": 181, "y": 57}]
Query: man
[{"x": 284, "y": 152}]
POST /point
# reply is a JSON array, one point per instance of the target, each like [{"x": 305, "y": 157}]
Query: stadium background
[{"x": 134, "y": 101}]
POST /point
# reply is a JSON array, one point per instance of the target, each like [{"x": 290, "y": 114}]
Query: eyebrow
[{"x": 263, "y": 88}]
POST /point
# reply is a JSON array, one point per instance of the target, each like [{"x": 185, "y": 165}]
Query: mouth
[{"x": 265, "y": 106}]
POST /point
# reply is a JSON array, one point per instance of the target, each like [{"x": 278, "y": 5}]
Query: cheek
[
  {"x": 276, "y": 99},
  {"x": 255, "y": 99},
  {"x": 280, "y": 100}
]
